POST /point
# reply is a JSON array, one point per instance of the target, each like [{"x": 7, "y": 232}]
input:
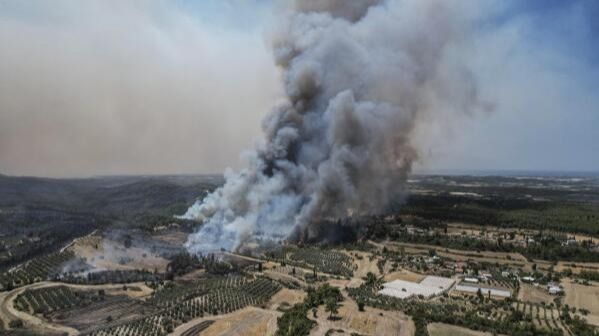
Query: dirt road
[
  {"x": 32, "y": 323},
  {"x": 9, "y": 313},
  {"x": 249, "y": 321}
]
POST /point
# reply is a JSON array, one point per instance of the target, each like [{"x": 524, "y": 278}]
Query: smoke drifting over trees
[{"x": 361, "y": 78}]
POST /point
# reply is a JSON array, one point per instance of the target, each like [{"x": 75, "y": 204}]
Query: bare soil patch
[
  {"x": 111, "y": 255},
  {"x": 286, "y": 298},
  {"x": 371, "y": 321},
  {"x": 365, "y": 263},
  {"x": 530, "y": 293},
  {"x": 404, "y": 275},
  {"x": 250, "y": 321},
  {"x": 581, "y": 296},
  {"x": 172, "y": 237},
  {"x": 442, "y": 329},
  {"x": 134, "y": 291},
  {"x": 501, "y": 257}
]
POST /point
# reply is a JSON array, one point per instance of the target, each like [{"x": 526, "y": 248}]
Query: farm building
[
  {"x": 554, "y": 289},
  {"x": 428, "y": 287},
  {"x": 473, "y": 289},
  {"x": 471, "y": 280},
  {"x": 528, "y": 279}
]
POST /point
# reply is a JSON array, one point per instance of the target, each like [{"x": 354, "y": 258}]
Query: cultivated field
[
  {"x": 585, "y": 297},
  {"x": 576, "y": 267},
  {"x": 512, "y": 259}
]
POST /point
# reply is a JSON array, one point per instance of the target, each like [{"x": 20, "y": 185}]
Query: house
[
  {"x": 459, "y": 267},
  {"x": 527, "y": 279},
  {"x": 570, "y": 242},
  {"x": 486, "y": 276},
  {"x": 554, "y": 290}
]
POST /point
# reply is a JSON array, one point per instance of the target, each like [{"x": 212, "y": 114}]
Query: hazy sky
[{"x": 159, "y": 87}]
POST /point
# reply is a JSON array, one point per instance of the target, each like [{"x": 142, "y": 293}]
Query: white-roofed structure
[
  {"x": 428, "y": 287},
  {"x": 485, "y": 291},
  {"x": 554, "y": 290}
]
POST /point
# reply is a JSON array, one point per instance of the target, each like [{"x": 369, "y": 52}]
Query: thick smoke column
[{"x": 360, "y": 76}]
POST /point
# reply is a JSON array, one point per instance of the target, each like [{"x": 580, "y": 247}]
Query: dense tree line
[
  {"x": 504, "y": 211},
  {"x": 545, "y": 247}
]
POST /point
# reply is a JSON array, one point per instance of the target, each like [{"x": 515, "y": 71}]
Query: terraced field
[
  {"x": 542, "y": 316},
  {"x": 180, "y": 303},
  {"x": 326, "y": 261},
  {"x": 50, "y": 299},
  {"x": 38, "y": 269}
]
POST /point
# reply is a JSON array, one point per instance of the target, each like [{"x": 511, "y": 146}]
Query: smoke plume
[{"x": 360, "y": 78}]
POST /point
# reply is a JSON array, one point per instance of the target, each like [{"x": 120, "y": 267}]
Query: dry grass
[
  {"x": 441, "y": 329},
  {"x": 172, "y": 237},
  {"x": 576, "y": 267},
  {"x": 364, "y": 263},
  {"x": 369, "y": 322},
  {"x": 404, "y": 275},
  {"x": 501, "y": 257},
  {"x": 581, "y": 296},
  {"x": 530, "y": 293},
  {"x": 286, "y": 297},
  {"x": 249, "y": 321},
  {"x": 134, "y": 291},
  {"x": 244, "y": 323},
  {"x": 108, "y": 255}
]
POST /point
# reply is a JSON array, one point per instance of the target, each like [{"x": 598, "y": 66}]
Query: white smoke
[{"x": 360, "y": 76}]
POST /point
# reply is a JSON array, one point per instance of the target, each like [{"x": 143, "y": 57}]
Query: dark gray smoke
[{"x": 360, "y": 76}]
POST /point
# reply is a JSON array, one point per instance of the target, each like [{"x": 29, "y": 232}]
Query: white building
[
  {"x": 428, "y": 287},
  {"x": 471, "y": 280},
  {"x": 484, "y": 291},
  {"x": 554, "y": 290}
]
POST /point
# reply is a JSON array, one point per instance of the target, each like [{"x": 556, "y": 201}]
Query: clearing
[
  {"x": 365, "y": 262},
  {"x": 581, "y": 296},
  {"x": 111, "y": 255},
  {"x": 250, "y": 321},
  {"x": 405, "y": 275},
  {"x": 371, "y": 321},
  {"x": 442, "y": 329},
  {"x": 532, "y": 294},
  {"x": 286, "y": 298}
]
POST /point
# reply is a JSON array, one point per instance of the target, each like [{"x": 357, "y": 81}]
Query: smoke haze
[
  {"x": 126, "y": 87},
  {"x": 360, "y": 80},
  {"x": 165, "y": 87}
]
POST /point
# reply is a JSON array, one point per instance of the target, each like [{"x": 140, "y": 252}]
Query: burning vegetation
[{"x": 360, "y": 78}]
